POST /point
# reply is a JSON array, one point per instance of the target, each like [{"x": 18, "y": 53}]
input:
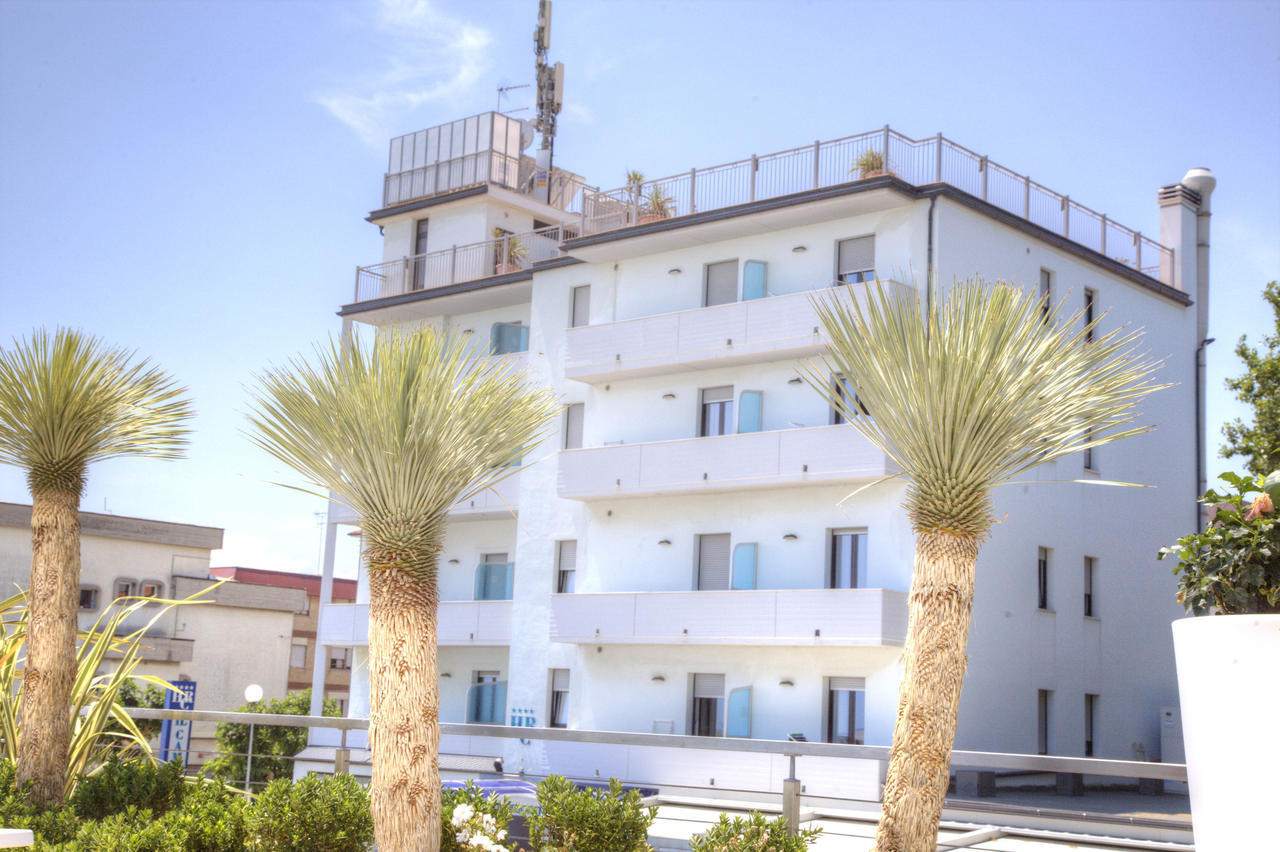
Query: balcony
[
  {"x": 770, "y": 329},
  {"x": 798, "y": 617},
  {"x": 460, "y": 623},
  {"x": 500, "y": 501},
  {"x": 788, "y": 457}
]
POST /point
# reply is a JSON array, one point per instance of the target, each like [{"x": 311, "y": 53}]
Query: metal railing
[
  {"x": 460, "y": 264},
  {"x": 865, "y": 155}
]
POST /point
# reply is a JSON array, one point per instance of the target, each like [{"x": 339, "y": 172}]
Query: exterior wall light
[
  {"x": 790, "y": 537},
  {"x": 666, "y": 542},
  {"x": 453, "y": 562},
  {"x": 658, "y": 679},
  {"x": 795, "y": 380},
  {"x": 668, "y": 396},
  {"x": 800, "y": 249},
  {"x": 468, "y": 331},
  {"x": 446, "y": 674},
  {"x": 787, "y": 682},
  {"x": 675, "y": 270}
]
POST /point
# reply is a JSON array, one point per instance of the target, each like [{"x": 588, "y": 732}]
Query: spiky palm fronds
[
  {"x": 986, "y": 387},
  {"x": 399, "y": 430},
  {"x": 67, "y": 400}
]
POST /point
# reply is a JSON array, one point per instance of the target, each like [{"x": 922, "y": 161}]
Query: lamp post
[{"x": 252, "y": 694}]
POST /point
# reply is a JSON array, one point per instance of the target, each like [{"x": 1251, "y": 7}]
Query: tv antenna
[
  {"x": 550, "y": 96},
  {"x": 502, "y": 91}
]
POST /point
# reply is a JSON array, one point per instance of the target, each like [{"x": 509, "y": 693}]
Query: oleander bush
[
  {"x": 752, "y": 833},
  {"x": 594, "y": 820}
]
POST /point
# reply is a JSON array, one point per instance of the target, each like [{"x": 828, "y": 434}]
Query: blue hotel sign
[{"x": 175, "y": 734}]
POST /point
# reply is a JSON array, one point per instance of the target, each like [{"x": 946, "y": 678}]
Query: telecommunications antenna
[
  {"x": 502, "y": 91},
  {"x": 550, "y": 96}
]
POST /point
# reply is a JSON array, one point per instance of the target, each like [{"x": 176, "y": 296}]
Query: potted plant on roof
[
  {"x": 869, "y": 164},
  {"x": 655, "y": 205},
  {"x": 510, "y": 252},
  {"x": 1228, "y": 659}
]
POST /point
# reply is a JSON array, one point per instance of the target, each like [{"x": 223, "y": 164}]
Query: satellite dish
[{"x": 526, "y": 133}]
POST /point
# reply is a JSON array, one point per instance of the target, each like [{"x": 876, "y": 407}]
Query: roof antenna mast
[{"x": 550, "y": 95}]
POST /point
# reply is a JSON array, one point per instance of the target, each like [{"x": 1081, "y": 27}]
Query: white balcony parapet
[
  {"x": 459, "y": 623},
  {"x": 500, "y": 501},
  {"x": 815, "y": 455},
  {"x": 803, "y": 617},
  {"x": 769, "y": 329}
]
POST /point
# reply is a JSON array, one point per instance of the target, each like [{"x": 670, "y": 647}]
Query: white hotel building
[{"x": 677, "y": 557}]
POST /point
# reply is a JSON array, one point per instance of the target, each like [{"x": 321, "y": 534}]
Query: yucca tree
[
  {"x": 991, "y": 383},
  {"x": 66, "y": 401},
  {"x": 400, "y": 431}
]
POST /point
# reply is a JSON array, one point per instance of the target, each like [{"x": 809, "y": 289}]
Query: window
[
  {"x": 1090, "y": 564},
  {"x": 856, "y": 260},
  {"x": 848, "y": 560},
  {"x": 339, "y": 658},
  {"x": 419, "y": 249},
  {"x": 707, "y": 711},
  {"x": 125, "y": 588},
  {"x": 717, "y": 411},
  {"x": 487, "y": 699},
  {"x": 1042, "y": 721},
  {"x": 342, "y": 706},
  {"x": 754, "y": 280},
  {"x": 580, "y": 306},
  {"x": 744, "y": 566},
  {"x": 713, "y": 562},
  {"x": 1088, "y": 451},
  {"x": 1090, "y": 708},
  {"x": 494, "y": 578},
  {"x": 1089, "y": 298},
  {"x": 721, "y": 285},
  {"x": 558, "y": 717},
  {"x": 88, "y": 597},
  {"x": 1042, "y": 577},
  {"x": 508, "y": 337},
  {"x": 573, "y": 425},
  {"x": 151, "y": 589},
  {"x": 750, "y": 412},
  {"x": 844, "y": 390},
  {"x": 566, "y": 566},
  {"x": 298, "y": 655},
  {"x": 1046, "y": 291},
  {"x": 846, "y": 710}
]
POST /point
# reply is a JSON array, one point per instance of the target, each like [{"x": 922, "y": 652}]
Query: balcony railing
[
  {"x": 460, "y": 623},
  {"x": 460, "y": 264},
  {"x": 813, "y": 455},
  {"x": 916, "y": 161},
  {"x": 865, "y": 617}
]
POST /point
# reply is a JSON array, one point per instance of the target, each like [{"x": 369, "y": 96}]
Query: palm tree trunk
[
  {"x": 44, "y": 732},
  {"x": 404, "y": 707},
  {"x": 941, "y": 602}
]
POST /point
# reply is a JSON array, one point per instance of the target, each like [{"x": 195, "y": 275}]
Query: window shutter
[
  {"x": 723, "y": 393},
  {"x": 722, "y": 283},
  {"x": 708, "y": 686},
  {"x": 713, "y": 562},
  {"x": 739, "y": 713},
  {"x": 568, "y": 556},
  {"x": 753, "y": 280},
  {"x": 744, "y": 566},
  {"x": 750, "y": 411},
  {"x": 559, "y": 680},
  {"x": 573, "y": 415},
  {"x": 851, "y": 684},
  {"x": 857, "y": 255},
  {"x": 581, "y": 312}
]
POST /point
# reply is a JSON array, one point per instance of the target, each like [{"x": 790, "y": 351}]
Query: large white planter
[{"x": 1229, "y": 689}]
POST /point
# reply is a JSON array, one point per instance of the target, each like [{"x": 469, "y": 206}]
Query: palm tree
[
  {"x": 986, "y": 386},
  {"x": 400, "y": 431},
  {"x": 67, "y": 401}
]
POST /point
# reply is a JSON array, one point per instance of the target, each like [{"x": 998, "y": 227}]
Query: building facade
[{"x": 684, "y": 555}]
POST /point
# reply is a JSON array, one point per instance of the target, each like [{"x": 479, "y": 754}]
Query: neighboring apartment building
[
  {"x": 682, "y": 556},
  {"x": 242, "y": 636},
  {"x": 337, "y": 669}
]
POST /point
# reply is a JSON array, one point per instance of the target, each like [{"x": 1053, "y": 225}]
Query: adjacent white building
[{"x": 680, "y": 557}]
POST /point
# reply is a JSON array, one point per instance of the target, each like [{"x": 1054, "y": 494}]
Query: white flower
[{"x": 462, "y": 813}]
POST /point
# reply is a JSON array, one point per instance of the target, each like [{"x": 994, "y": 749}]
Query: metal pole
[
  {"x": 342, "y": 756},
  {"x": 1066, "y": 215},
  {"x": 755, "y": 166},
  {"x": 982, "y": 167},
  {"x": 791, "y": 800},
  {"x": 1137, "y": 243},
  {"x": 884, "y": 165},
  {"x": 248, "y": 759},
  {"x": 1026, "y": 197},
  {"x": 357, "y": 296},
  {"x": 693, "y": 190},
  {"x": 816, "y": 148},
  {"x": 453, "y": 264},
  {"x": 939, "y": 159},
  {"x": 1104, "y": 234}
]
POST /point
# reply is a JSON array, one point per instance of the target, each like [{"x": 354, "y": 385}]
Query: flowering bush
[
  {"x": 752, "y": 834},
  {"x": 474, "y": 821}
]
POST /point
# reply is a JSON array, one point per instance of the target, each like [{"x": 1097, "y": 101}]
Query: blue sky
[{"x": 190, "y": 178}]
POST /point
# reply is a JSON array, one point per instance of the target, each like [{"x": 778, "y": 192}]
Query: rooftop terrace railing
[
  {"x": 881, "y": 152},
  {"x": 460, "y": 264}
]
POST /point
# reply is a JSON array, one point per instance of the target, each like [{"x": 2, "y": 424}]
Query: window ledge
[
  {"x": 1046, "y": 611},
  {"x": 1093, "y": 618}
]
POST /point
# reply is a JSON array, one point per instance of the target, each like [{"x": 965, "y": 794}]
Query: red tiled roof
[{"x": 343, "y": 590}]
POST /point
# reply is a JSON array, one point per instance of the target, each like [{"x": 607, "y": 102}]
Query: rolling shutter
[
  {"x": 580, "y": 315},
  {"x": 852, "y": 684},
  {"x": 722, "y": 283},
  {"x": 713, "y": 562},
  {"x": 857, "y": 259},
  {"x": 708, "y": 686},
  {"x": 559, "y": 680}
]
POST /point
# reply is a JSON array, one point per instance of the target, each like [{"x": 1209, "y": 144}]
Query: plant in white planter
[{"x": 1229, "y": 664}]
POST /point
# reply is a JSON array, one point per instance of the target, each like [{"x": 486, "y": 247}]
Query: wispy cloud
[{"x": 425, "y": 56}]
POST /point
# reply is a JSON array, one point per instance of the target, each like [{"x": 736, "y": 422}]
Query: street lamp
[{"x": 252, "y": 694}]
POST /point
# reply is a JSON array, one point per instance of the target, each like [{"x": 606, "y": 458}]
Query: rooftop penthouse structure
[{"x": 683, "y": 555}]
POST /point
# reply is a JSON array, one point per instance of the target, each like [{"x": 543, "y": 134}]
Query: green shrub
[
  {"x": 211, "y": 819},
  {"x": 752, "y": 833},
  {"x": 137, "y": 781},
  {"x": 471, "y": 805},
  {"x": 573, "y": 820},
  {"x": 57, "y": 824},
  {"x": 315, "y": 814}
]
